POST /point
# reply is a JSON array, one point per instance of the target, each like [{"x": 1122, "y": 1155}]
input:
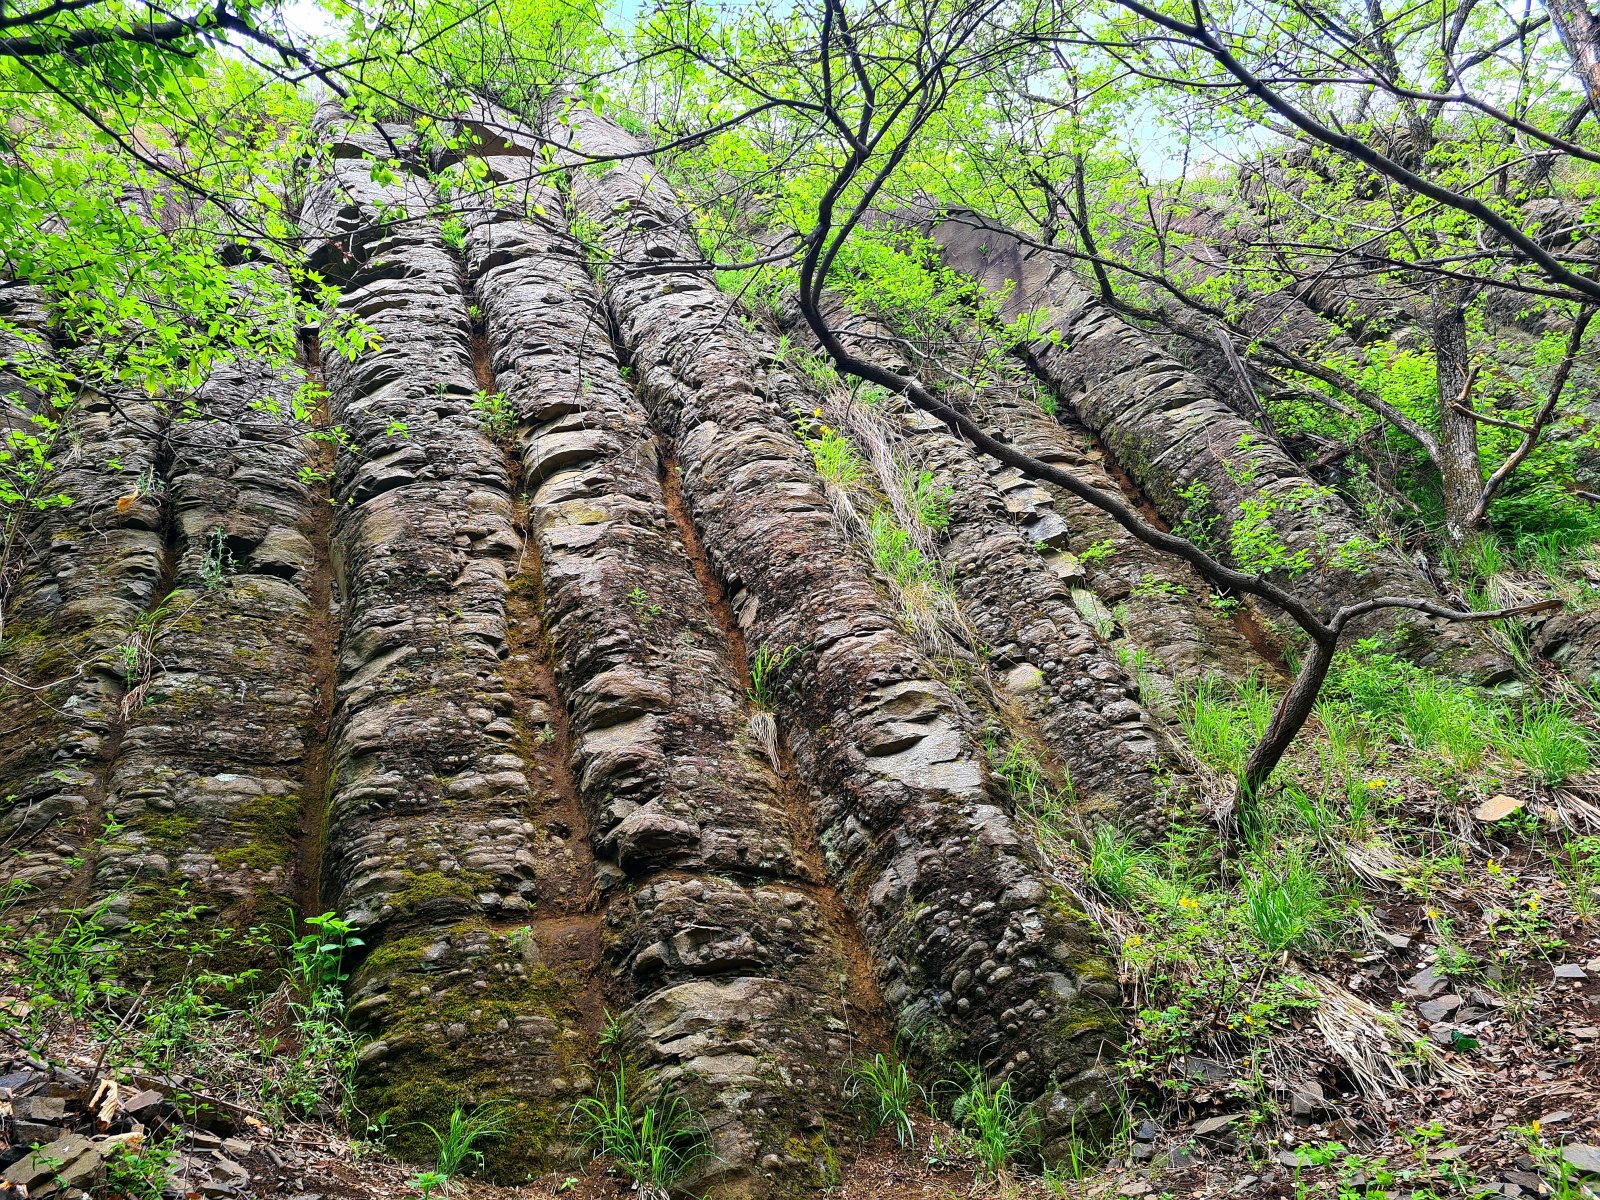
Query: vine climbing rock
[
  {"x": 1207, "y": 470},
  {"x": 981, "y": 957}
]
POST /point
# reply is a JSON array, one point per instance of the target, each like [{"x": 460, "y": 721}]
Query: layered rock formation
[
  {"x": 978, "y": 956},
  {"x": 1205, "y": 468},
  {"x": 473, "y": 668}
]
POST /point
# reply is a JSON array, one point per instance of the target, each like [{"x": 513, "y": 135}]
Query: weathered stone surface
[
  {"x": 727, "y": 963},
  {"x": 222, "y": 741},
  {"x": 1147, "y": 599},
  {"x": 914, "y": 833},
  {"x": 432, "y": 843},
  {"x": 1171, "y": 434},
  {"x": 1081, "y": 704},
  {"x": 87, "y": 575}
]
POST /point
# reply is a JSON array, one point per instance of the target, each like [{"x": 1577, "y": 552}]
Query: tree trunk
[
  {"x": 1460, "y": 469},
  {"x": 1580, "y": 33}
]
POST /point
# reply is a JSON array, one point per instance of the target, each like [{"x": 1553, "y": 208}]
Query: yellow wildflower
[
  {"x": 1431, "y": 913},
  {"x": 816, "y": 412},
  {"x": 1374, "y": 784},
  {"x": 1494, "y": 867},
  {"x": 1132, "y": 940},
  {"x": 1188, "y": 902},
  {"x": 1533, "y": 1127},
  {"x": 1533, "y": 904}
]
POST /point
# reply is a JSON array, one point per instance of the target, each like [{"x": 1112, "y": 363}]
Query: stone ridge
[
  {"x": 1078, "y": 701},
  {"x": 1163, "y": 424},
  {"x": 208, "y": 787},
  {"x": 95, "y": 573},
  {"x": 1183, "y": 637},
  {"x": 979, "y": 958},
  {"x": 472, "y": 992},
  {"x": 726, "y": 966}
]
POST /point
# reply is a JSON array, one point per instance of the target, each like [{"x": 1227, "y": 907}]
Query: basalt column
[
  {"x": 1130, "y": 592},
  {"x": 473, "y": 988},
  {"x": 1055, "y": 682},
  {"x": 1190, "y": 452},
  {"x": 208, "y": 790},
  {"x": 730, "y": 957},
  {"x": 975, "y": 953},
  {"x": 90, "y": 576}
]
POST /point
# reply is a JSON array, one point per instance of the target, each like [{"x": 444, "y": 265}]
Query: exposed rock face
[
  {"x": 726, "y": 950},
  {"x": 1122, "y": 586},
  {"x": 75, "y": 627},
  {"x": 1004, "y": 549},
  {"x": 973, "y": 948},
  {"x": 475, "y": 673},
  {"x": 432, "y": 847},
  {"x": 1190, "y": 452},
  {"x": 221, "y": 743}
]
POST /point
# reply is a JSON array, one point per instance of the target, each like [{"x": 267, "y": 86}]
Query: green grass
[
  {"x": 882, "y": 1089},
  {"x": 1284, "y": 904},
  {"x": 1117, "y": 865},
  {"x": 460, "y": 1138},
  {"x": 1548, "y": 742},
  {"x": 999, "y": 1129},
  {"x": 835, "y": 456},
  {"x": 897, "y": 555},
  {"x": 1222, "y": 722},
  {"x": 655, "y": 1142}
]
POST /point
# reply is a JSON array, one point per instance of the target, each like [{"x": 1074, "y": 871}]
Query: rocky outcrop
[
  {"x": 1206, "y": 470},
  {"x": 219, "y": 762},
  {"x": 978, "y": 956},
  {"x": 86, "y": 578},
  {"x": 1130, "y": 594},
  {"x": 432, "y": 846},
  {"x": 726, "y": 948}
]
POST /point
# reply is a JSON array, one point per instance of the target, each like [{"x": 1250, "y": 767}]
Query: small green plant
[
  {"x": 647, "y": 609},
  {"x": 998, "y": 1128},
  {"x": 1099, "y": 552},
  {"x": 1284, "y": 903},
  {"x": 1577, "y": 865},
  {"x": 1150, "y": 586},
  {"x": 897, "y": 555},
  {"x": 1223, "y": 722},
  {"x": 589, "y": 234},
  {"x": 1035, "y": 797},
  {"x": 218, "y": 562},
  {"x": 930, "y": 500},
  {"x": 141, "y": 1171},
  {"x": 316, "y": 959},
  {"x": 834, "y": 455},
  {"x": 656, "y": 1143},
  {"x": 881, "y": 1087},
  {"x": 1117, "y": 865},
  {"x": 495, "y": 413},
  {"x": 454, "y": 233},
  {"x": 460, "y": 1138},
  {"x": 1549, "y": 743},
  {"x": 429, "y": 1184},
  {"x": 766, "y": 675}
]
